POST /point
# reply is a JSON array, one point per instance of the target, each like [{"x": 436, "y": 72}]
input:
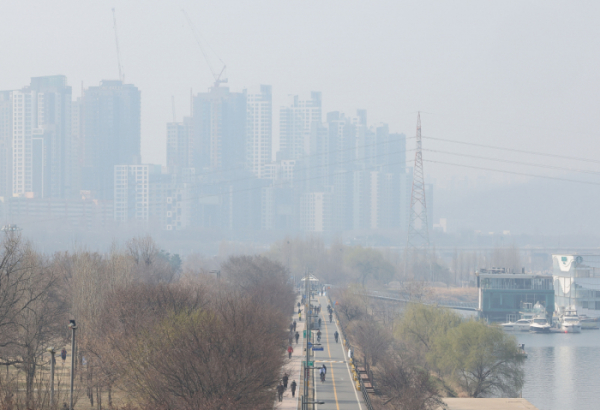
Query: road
[{"x": 338, "y": 391}]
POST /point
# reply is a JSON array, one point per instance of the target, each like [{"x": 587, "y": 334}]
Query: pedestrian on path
[
  {"x": 319, "y": 322},
  {"x": 290, "y": 350},
  {"x": 297, "y": 336},
  {"x": 294, "y": 325},
  {"x": 63, "y": 354},
  {"x": 280, "y": 390},
  {"x": 336, "y": 335},
  {"x": 299, "y": 316},
  {"x": 285, "y": 380},
  {"x": 293, "y": 387}
]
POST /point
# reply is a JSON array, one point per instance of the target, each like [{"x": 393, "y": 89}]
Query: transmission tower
[{"x": 417, "y": 244}]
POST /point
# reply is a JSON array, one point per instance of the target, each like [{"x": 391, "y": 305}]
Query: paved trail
[{"x": 338, "y": 392}]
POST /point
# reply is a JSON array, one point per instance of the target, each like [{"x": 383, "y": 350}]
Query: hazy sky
[{"x": 521, "y": 74}]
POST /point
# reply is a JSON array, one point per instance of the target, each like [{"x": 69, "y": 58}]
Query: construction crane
[
  {"x": 121, "y": 75},
  {"x": 216, "y": 76}
]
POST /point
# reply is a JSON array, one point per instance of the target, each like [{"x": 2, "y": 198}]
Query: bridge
[{"x": 470, "y": 306}]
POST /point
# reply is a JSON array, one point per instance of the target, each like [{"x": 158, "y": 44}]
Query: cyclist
[
  {"x": 322, "y": 372},
  {"x": 336, "y": 335}
]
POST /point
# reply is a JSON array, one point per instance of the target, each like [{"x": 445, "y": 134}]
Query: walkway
[
  {"x": 294, "y": 367},
  {"x": 338, "y": 391}
]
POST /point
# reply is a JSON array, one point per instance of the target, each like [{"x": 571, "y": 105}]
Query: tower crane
[
  {"x": 121, "y": 74},
  {"x": 217, "y": 76}
]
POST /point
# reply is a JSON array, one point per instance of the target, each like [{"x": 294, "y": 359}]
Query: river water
[{"x": 562, "y": 371}]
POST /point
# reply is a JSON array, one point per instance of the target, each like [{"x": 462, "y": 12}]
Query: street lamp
[
  {"x": 73, "y": 327},
  {"x": 52, "y": 360}
]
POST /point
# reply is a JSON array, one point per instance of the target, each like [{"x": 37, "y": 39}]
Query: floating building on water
[{"x": 504, "y": 293}]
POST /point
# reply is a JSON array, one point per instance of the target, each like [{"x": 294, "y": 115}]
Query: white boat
[
  {"x": 521, "y": 325},
  {"x": 570, "y": 324},
  {"x": 539, "y": 324},
  {"x": 569, "y": 321}
]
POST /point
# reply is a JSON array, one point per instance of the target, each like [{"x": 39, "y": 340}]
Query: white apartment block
[
  {"x": 315, "y": 212},
  {"x": 131, "y": 195},
  {"x": 23, "y": 123},
  {"x": 259, "y": 130}
]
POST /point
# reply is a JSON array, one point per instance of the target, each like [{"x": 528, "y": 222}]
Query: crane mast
[
  {"x": 217, "y": 77},
  {"x": 121, "y": 75}
]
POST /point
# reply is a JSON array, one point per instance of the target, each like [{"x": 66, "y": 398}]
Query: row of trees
[
  {"x": 342, "y": 264},
  {"x": 149, "y": 335},
  {"x": 424, "y": 353}
]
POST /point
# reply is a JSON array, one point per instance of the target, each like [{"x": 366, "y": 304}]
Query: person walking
[
  {"x": 294, "y": 325},
  {"x": 336, "y": 335},
  {"x": 290, "y": 350},
  {"x": 318, "y": 336},
  {"x": 63, "y": 354},
  {"x": 293, "y": 387},
  {"x": 280, "y": 390},
  {"x": 319, "y": 322},
  {"x": 297, "y": 336},
  {"x": 299, "y": 316},
  {"x": 330, "y": 318},
  {"x": 285, "y": 380},
  {"x": 322, "y": 372}
]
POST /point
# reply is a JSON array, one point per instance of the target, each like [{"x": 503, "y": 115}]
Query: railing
[{"x": 345, "y": 337}]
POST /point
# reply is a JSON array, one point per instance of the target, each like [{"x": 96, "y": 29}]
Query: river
[{"x": 562, "y": 371}]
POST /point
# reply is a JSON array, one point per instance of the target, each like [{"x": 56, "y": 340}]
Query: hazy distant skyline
[{"x": 514, "y": 74}]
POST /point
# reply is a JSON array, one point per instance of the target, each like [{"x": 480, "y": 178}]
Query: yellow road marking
[{"x": 332, "y": 378}]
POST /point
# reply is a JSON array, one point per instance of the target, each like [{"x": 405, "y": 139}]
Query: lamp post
[
  {"x": 73, "y": 327},
  {"x": 52, "y": 360}
]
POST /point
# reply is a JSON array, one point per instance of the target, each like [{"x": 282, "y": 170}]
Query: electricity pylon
[{"x": 417, "y": 243}]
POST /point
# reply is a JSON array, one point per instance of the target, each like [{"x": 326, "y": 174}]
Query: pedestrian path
[
  {"x": 339, "y": 390},
  {"x": 294, "y": 367}
]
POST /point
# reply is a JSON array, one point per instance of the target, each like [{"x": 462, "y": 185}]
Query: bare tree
[{"x": 406, "y": 386}]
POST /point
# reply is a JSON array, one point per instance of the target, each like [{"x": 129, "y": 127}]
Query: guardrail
[{"x": 365, "y": 394}]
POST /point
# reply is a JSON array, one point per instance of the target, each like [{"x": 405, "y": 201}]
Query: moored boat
[{"x": 539, "y": 324}]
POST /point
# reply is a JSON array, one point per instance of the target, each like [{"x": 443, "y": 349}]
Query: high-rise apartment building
[
  {"x": 131, "y": 196},
  {"x": 110, "y": 134},
  {"x": 5, "y": 144},
  {"x": 219, "y": 126},
  {"x": 35, "y": 139},
  {"x": 23, "y": 123},
  {"x": 295, "y": 123},
  {"x": 259, "y": 129},
  {"x": 179, "y": 144},
  {"x": 52, "y": 154}
]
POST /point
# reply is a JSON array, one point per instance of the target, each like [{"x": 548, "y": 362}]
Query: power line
[
  {"x": 302, "y": 169},
  {"x": 514, "y": 162},
  {"x": 512, "y": 172},
  {"x": 515, "y": 150}
]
